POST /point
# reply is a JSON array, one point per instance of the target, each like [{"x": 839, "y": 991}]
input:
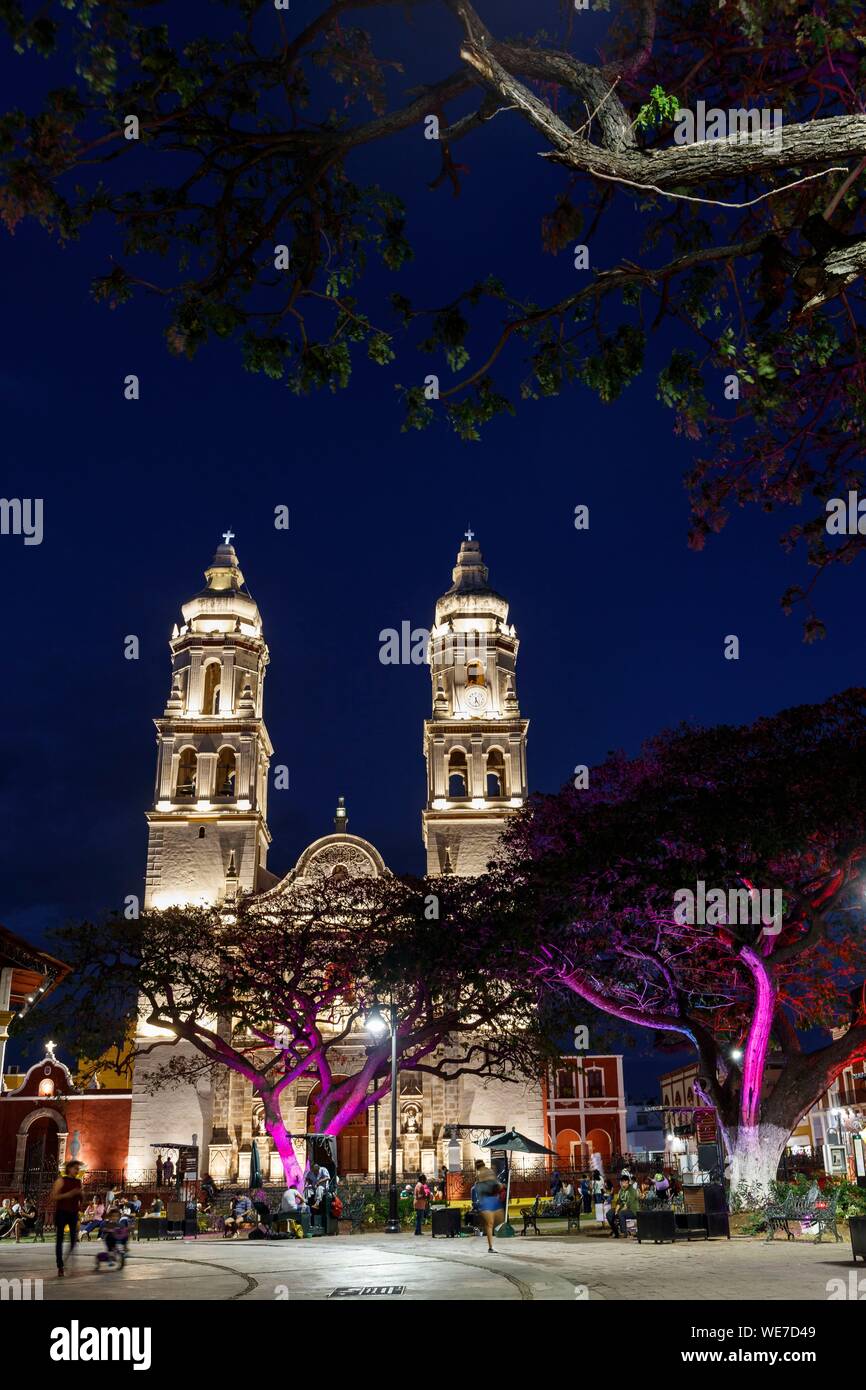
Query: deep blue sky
[{"x": 621, "y": 628}]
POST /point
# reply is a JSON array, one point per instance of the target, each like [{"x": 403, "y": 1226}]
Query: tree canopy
[
  {"x": 646, "y": 887},
  {"x": 278, "y": 991},
  {"x": 226, "y": 154}
]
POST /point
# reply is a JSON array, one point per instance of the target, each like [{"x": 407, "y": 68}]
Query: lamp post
[{"x": 378, "y": 1025}]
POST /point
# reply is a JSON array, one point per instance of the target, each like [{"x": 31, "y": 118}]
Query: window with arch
[
  {"x": 187, "y": 769},
  {"x": 225, "y": 772},
  {"x": 46, "y": 1087},
  {"x": 213, "y": 674},
  {"x": 458, "y": 773},
  {"x": 495, "y": 782}
]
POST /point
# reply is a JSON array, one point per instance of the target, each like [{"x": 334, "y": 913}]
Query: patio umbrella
[
  {"x": 255, "y": 1167},
  {"x": 513, "y": 1142}
]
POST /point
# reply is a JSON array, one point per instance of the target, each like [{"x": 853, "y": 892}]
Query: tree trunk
[
  {"x": 285, "y": 1148},
  {"x": 755, "y": 1151}
]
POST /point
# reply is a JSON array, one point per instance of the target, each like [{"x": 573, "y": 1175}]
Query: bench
[
  {"x": 813, "y": 1209},
  {"x": 355, "y": 1210},
  {"x": 566, "y": 1211}
]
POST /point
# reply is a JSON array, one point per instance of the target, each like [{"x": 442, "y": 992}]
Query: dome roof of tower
[
  {"x": 225, "y": 595},
  {"x": 470, "y": 573},
  {"x": 470, "y": 593}
]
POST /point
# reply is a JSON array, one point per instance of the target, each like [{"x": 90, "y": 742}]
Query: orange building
[
  {"x": 585, "y": 1110},
  {"x": 47, "y": 1119}
]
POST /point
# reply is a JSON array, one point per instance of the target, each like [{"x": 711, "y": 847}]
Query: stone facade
[
  {"x": 475, "y": 741},
  {"x": 208, "y": 840}
]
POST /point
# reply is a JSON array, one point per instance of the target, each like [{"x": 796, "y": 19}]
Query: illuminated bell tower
[
  {"x": 207, "y": 832},
  {"x": 475, "y": 742}
]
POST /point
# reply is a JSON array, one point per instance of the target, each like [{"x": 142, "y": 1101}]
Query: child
[{"x": 115, "y": 1233}]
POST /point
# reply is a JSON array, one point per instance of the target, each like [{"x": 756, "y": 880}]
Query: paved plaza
[{"x": 546, "y": 1267}]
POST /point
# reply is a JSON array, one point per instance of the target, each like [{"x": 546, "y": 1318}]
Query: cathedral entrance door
[
  {"x": 353, "y": 1147},
  {"x": 42, "y": 1147}
]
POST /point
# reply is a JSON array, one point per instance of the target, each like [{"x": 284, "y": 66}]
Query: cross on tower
[
  {"x": 469, "y": 533},
  {"x": 228, "y": 536}
]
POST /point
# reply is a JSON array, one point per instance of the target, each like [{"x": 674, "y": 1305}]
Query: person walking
[
  {"x": 487, "y": 1199},
  {"x": 68, "y": 1194},
  {"x": 420, "y": 1200}
]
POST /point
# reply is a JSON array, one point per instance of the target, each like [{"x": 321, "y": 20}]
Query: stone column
[
  {"x": 510, "y": 781},
  {"x": 518, "y": 766},
  {"x": 196, "y": 681},
  {"x": 476, "y": 769},
  {"x": 206, "y": 776},
  {"x": 437, "y": 755},
  {"x": 227, "y": 685},
  {"x": 243, "y": 788},
  {"x": 167, "y": 768}
]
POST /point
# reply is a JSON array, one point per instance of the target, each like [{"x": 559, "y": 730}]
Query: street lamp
[{"x": 378, "y": 1025}]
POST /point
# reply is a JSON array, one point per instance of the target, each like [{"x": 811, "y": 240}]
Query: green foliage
[
  {"x": 621, "y": 359},
  {"x": 418, "y": 410},
  {"x": 251, "y": 137},
  {"x": 659, "y": 110},
  {"x": 469, "y": 415},
  {"x": 450, "y": 327},
  {"x": 681, "y": 388}
]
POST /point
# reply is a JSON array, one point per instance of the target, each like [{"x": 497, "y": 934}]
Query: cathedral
[{"x": 208, "y": 843}]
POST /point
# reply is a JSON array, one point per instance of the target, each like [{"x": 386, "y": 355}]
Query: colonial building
[
  {"x": 585, "y": 1111},
  {"x": 208, "y": 841},
  {"x": 47, "y": 1118},
  {"x": 833, "y": 1130}
]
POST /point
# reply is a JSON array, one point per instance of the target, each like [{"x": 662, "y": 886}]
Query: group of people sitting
[
  {"x": 18, "y": 1217},
  {"x": 253, "y": 1217},
  {"x": 100, "y": 1210},
  {"x": 616, "y": 1205}
]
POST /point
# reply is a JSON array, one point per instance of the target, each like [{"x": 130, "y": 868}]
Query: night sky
[{"x": 621, "y": 628}]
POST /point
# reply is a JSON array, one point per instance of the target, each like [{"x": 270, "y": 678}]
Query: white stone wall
[
  {"x": 184, "y": 868},
  {"x": 172, "y": 1116},
  {"x": 516, "y": 1105},
  {"x": 471, "y": 845}
]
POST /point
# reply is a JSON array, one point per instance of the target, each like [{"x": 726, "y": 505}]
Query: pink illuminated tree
[
  {"x": 767, "y": 989},
  {"x": 277, "y": 991}
]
